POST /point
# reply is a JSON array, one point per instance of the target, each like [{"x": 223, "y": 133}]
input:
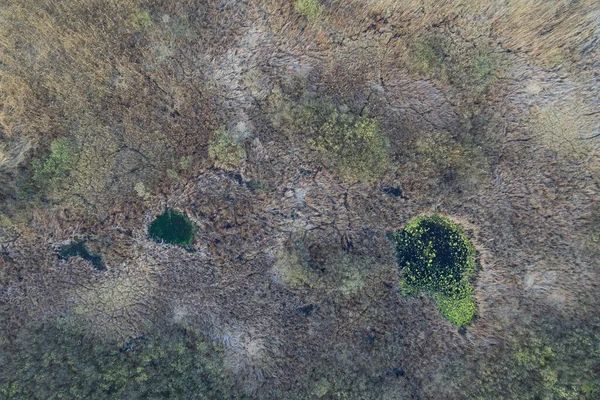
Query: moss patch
[
  {"x": 434, "y": 255},
  {"x": 460, "y": 311},
  {"x": 172, "y": 227}
]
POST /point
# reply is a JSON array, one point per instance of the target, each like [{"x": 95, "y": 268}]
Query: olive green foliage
[
  {"x": 552, "y": 364},
  {"x": 78, "y": 249},
  {"x": 459, "y": 311},
  {"x": 354, "y": 146},
  {"x": 50, "y": 172},
  {"x": 141, "y": 20},
  {"x": 471, "y": 64},
  {"x": 172, "y": 227},
  {"x": 340, "y": 273},
  {"x": 311, "y": 9},
  {"x": 434, "y": 255},
  {"x": 367, "y": 367},
  {"x": 486, "y": 68},
  {"x": 428, "y": 56},
  {"x": 185, "y": 162},
  {"x": 55, "y": 361},
  {"x": 441, "y": 162},
  {"x": 225, "y": 150}
]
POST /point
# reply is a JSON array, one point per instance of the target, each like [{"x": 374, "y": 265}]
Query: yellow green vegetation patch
[
  {"x": 354, "y": 146},
  {"x": 225, "y": 150},
  {"x": 311, "y": 9},
  {"x": 435, "y": 256},
  {"x": 51, "y": 171}
]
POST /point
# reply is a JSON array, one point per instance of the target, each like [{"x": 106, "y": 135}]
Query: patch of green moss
[
  {"x": 460, "y": 311},
  {"x": 435, "y": 255},
  {"x": 172, "y": 227}
]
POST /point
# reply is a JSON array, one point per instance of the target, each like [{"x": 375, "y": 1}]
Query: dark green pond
[
  {"x": 78, "y": 249},
  {"x": 172, "y": 227}
]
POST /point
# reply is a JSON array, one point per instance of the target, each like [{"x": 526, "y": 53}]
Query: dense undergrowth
[{"x": 55, "y": 360}]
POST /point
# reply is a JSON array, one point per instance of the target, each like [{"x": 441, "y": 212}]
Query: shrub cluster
[
  {"x": 225, "y": 150},
  {"x": 452, "y": 59},
  {"x": 434, "y": 255},
  {"x": 339, "y": 273},
  {"x": 311, "y": 9},
  {"x": 51, "y": 361},
  {"x": 353, "y": 145},
  {"x": 50, "y": 172}
]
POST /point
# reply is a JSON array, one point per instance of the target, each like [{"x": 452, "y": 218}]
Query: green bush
[
  {"x": 428, "y": 57},
  {"x": 225, "y": 150},
  {"x": 141, "y": 20},
  {"x": 339, "y": 274},
  {"x": 56, "y": 361},
  {"x": 311, "y": 9},
  {"x": 471, "y": 64},
  {"x": 51, "y": 172},
  {"x": 557, "y": 360},
  {"x": 434, "y": 255},
  {"x": 353, "y": 145}
]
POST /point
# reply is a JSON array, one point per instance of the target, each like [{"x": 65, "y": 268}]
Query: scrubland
[{"x": 297, "y": 137}]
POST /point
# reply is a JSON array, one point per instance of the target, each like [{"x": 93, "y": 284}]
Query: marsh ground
[{"x": 112, "y": 111}]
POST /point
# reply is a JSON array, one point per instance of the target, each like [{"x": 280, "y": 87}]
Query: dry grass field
[{"x": 296, "y": 136}]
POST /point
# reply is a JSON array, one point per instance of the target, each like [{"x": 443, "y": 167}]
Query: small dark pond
[
  {"x": 78, "y": 249},
  {"x": 172, "y": 227}
]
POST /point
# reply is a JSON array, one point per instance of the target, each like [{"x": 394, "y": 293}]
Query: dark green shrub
[
  {"x": 434, "y": 255},
  {"x": 428, "y": 56},
  {"x": 172, "y": 227}
]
